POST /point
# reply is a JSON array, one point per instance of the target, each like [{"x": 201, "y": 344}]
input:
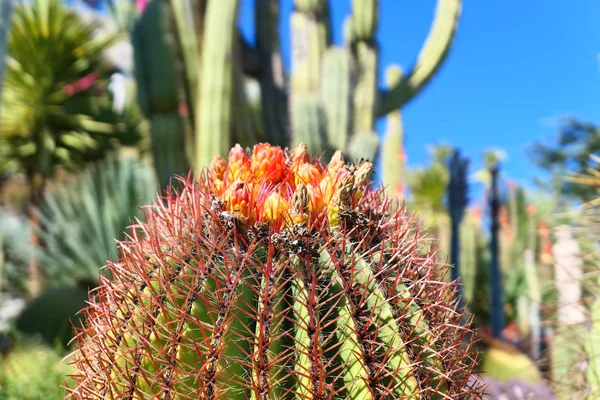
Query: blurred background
[{"x": 481, "y": 116}]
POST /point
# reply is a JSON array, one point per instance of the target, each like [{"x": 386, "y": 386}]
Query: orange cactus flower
[
  {"x": 268, "y": 163},
  {"x": 307, "y": 174},
  {"x": 239, "y": 165},
  {"x": 218, "y": 166},
  {"x": 284, "y": 189},
  {"x": 238, "y": 199},
  {"x": 275, "y": 208}
]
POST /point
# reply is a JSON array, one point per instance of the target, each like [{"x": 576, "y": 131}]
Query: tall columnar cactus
[
  {"x": 274, "y": 277},
  {"x": 394, "y": 155},
  {"x": 568, "y": 361},
  {"x": 470, "y": 247},
  {"x": 458, "y": 198},
  {"x": 155, "y": 55},
  {"x": 497, "y": 302},
  {"x": 331, "y": 98},
  {"x": 533, "y": 284}
]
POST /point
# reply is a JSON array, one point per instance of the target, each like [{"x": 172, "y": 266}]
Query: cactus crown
[{"x": 274, "y": 277}]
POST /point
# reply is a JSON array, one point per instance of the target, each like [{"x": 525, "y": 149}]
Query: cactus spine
[
  {"x": 274, "y": 276},
  {"x": 337, "y": 86}
]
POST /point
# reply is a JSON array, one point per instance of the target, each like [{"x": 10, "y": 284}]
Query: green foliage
[
  {"x": 568, "y": 153},
  {"x": 82, "y": 219},
  {"x": 428, "y": 185},
  {"x": 32, "y": 371},
  {"x": 51, "y": 112},
  {"x": 16, "y": 250}
]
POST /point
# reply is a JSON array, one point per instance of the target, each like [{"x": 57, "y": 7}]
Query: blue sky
[{"x": 515, "y": 68}]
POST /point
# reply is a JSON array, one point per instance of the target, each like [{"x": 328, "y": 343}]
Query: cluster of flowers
[{"x": 284, "y": 188}]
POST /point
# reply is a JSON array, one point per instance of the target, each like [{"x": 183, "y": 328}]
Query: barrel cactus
[{"x": 274, "y": 276}]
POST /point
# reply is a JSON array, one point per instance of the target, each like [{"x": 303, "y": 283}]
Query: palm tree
[{"x": 53, "y": 112}]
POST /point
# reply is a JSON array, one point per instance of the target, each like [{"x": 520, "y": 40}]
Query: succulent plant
[
  {"x": 82, "y": 218},
  {"x": 458, "y": 199},
  {"x": 274, "y": 276}
]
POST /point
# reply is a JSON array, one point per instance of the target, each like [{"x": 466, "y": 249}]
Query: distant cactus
[
  {"x": 274, "y": 277},
  {"x": 458, "y": 199},
  {"x": 568, "y": 358},
  {"x": 331, "y": 98},
  {"x": 155, "y": 57},
  {"x": 497, "y": 302}
]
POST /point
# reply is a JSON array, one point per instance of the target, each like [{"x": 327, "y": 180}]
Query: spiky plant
[
  {"x": 51, "y": 112},
  {"x": 274, "y": 277},
  {"x": 458, "y": 199},
  {"x": 82, "y": 218}
]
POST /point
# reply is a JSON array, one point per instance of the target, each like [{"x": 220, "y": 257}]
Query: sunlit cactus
[{"x": 274, "y": 276}]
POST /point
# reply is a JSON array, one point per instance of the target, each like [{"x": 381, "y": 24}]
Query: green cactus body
[
  {"x": 275, "y": 292},
  {"x": 335, "y": 96},
  {"x": 365, "y": 18},
  {"x": 430, "y": 59},
  {"x": 183, "y": 17},
  {"x": 157, "y": 90},
  {"x": 469, "y": 248},
  {"x": 308, "y": 123},
  {"x": 393, "y": 154},
  {"x": 307, "y": 52},
  {"x": 213, "y": 124},
  {"x": 272, "y": 77},
  {"x": 366, "y": 88}
]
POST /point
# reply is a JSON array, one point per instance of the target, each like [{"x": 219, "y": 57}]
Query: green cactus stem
[
  {"x": 365, "y": 91},
  {"x": 393, "y": 153},
  {"x": 272, "y": 76},
  {"x": 335, "y": 96},
  {"x": 458, "y": 199},
  {"x": 308, "y": 123},
  {"x": 157, "y": 90},
  {"x": 430, "y": 59},
  {"x": 496, "y": 301},
  {"x": 216, "y": 90}
]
